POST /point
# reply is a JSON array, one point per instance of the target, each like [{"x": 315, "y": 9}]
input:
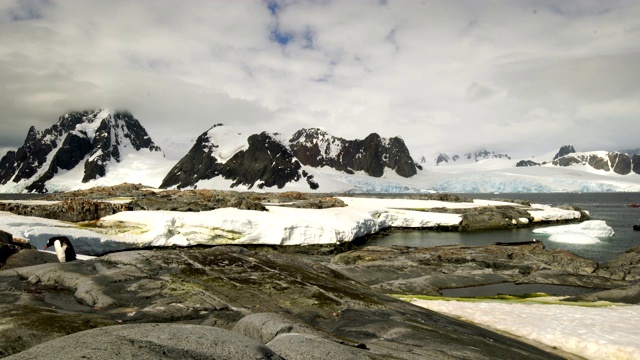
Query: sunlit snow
[
  {"x": 606, "y": 333},
  {"x": 586, "y": 232}
]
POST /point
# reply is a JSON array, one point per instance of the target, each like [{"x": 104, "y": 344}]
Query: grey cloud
[{"x": 441, "y": 74}]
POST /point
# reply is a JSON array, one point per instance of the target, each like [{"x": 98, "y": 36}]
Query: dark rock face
[
  {"x": 109, "y": 140},
  {"x": 482, "y": 154},
  {"x": 635, "y": 164},
  {"x": 523, "y": 163},
  {"x": 564, "y": 150},
  {"x": 621, "y": 163},
  {"x": 70, "y": 143},
  {"x": 10, "y": 246},
  {"x": 266, "y": 162},
  {"x": 316, "y": 148},
  {"x": 198, "y": 164},
  {"x": 617, "y": 162}
]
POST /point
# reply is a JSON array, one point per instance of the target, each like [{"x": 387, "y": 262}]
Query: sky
[{"x": 516, "y": 77}]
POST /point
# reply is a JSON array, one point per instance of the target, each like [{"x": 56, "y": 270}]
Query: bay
[{"x": 611, "y": 207}]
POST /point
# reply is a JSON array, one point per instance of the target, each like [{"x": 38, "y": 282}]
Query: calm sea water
[{"x": 610, "y": 207}]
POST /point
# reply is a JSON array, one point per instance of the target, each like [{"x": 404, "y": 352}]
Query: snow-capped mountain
[
  {"x": 88, "y": 147},
  {"x": 101, "y": 148},
  {"x": 260, "y": 160},
  {"x": 470, "y": 157},
  {"x": 267, "y": 161},
  {"x": 317, "y": 148},
  {"x": 606, "y": 161}
]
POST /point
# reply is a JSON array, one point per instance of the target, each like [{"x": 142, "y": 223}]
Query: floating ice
[
  {"x": 574, "y": 238},
  {"x": 593, "y": 228}
]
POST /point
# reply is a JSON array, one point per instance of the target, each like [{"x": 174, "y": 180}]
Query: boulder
[{"x": 151, "y": 341}]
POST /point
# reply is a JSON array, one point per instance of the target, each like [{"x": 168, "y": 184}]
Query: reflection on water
[{"x": 610, "y": 207}]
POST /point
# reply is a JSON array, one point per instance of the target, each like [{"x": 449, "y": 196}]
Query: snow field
[{"x": 596, "y": 333}]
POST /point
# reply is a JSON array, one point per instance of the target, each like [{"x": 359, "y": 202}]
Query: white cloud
[{"x": 443, "y": 75}]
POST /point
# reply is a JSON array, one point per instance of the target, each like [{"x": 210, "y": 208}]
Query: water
[{"x": 610, "y": 207}]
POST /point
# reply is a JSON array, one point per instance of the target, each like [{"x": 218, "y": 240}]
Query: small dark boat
[
  {"x": 634, "y": 205},
  {"x": 636, "y": 227}
]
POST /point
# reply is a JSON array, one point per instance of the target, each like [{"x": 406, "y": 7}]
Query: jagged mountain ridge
[
  {"x": 91, "y": 139},
  {"x": 263, "y": 162},
  {"x": 608, "y": 161},
  {"x": 317, "y": 148},
  {"x": 96, "y": 148},
  {"x": 482, "y": 154},
  {"x": 269, "y": 161}
]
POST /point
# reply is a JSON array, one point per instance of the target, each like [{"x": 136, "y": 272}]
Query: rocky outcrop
[
  {"x": 10, "y": 246},
  {"x": 616, "y": 162},
  {"x": 264, "y": 163},
  {"x": 95, "y": 137},
  {"x": 427, "y": 271},
  {"x": 482, "y": 154},
  {"x": 564, "y": 150},
  {"x": 316, "y": 148},
  {"x": 114, "y": 133},
  {"x": 523, "y": 163},
  {"x": 74, "y": 210},
  {"x": 208, "y": 293}
]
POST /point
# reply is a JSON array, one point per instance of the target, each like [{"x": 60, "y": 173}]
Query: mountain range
[{"x": 99, "y": 148}]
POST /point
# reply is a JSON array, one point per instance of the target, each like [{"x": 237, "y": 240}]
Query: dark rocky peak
[
  {"x": 198, "y": 164},
  {"x": 524, "y": 163},
  {"x": 316, "y": 148},
  {"x": 114, "y": 133},
  {"x": 267, "y": 162},
  {"x": 264, "y": 162},
  {"x": 69, "y": 122},
  {"x": 564, "y": 150},
  {"x": 484, "y": 154},
  {"x": 311, "y": 135},
  {"x": 619, "y": 163},
  {"x": 68, "y": 142},
  {"x": 443, "y": 158}
]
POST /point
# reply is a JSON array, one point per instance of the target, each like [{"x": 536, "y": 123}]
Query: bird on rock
[{"x": 64, "y": 249}]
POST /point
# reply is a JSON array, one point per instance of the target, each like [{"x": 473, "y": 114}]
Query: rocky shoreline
[{"x": 273, "y": 302}]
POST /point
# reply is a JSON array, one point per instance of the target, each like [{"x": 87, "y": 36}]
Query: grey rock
[
  {"x": 295, "y": 346},
  {"x": 264, "y": 327},
  {"x": 627, "y": 295},
  {"x": 151, "y": 341},
  {"x": 220, "y": 286},
  {"x": 424, "y": 271}
]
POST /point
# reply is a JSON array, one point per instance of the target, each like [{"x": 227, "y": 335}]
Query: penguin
[{"x": 64, "y": 249}]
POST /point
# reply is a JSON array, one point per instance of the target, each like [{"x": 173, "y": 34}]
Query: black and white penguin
[{"x": 64, "y": 249}]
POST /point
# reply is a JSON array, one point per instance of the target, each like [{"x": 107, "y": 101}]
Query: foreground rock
[
  {"x": 151, "y": 341},
  {"x": 426, "y": 271},
  {"x": 10, "y": 246},
  {"x": 308, "y": 310}
]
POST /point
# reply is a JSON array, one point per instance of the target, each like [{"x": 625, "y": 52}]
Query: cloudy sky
[{"x": 521, "y": 77}]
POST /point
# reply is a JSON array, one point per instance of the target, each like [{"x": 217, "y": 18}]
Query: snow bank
[
  {"x": 278, "y": 226},
  {"x": 593, "y": 333},
  {"x": 574, "y": 238},
  {"x": 593, "y": 228}
]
